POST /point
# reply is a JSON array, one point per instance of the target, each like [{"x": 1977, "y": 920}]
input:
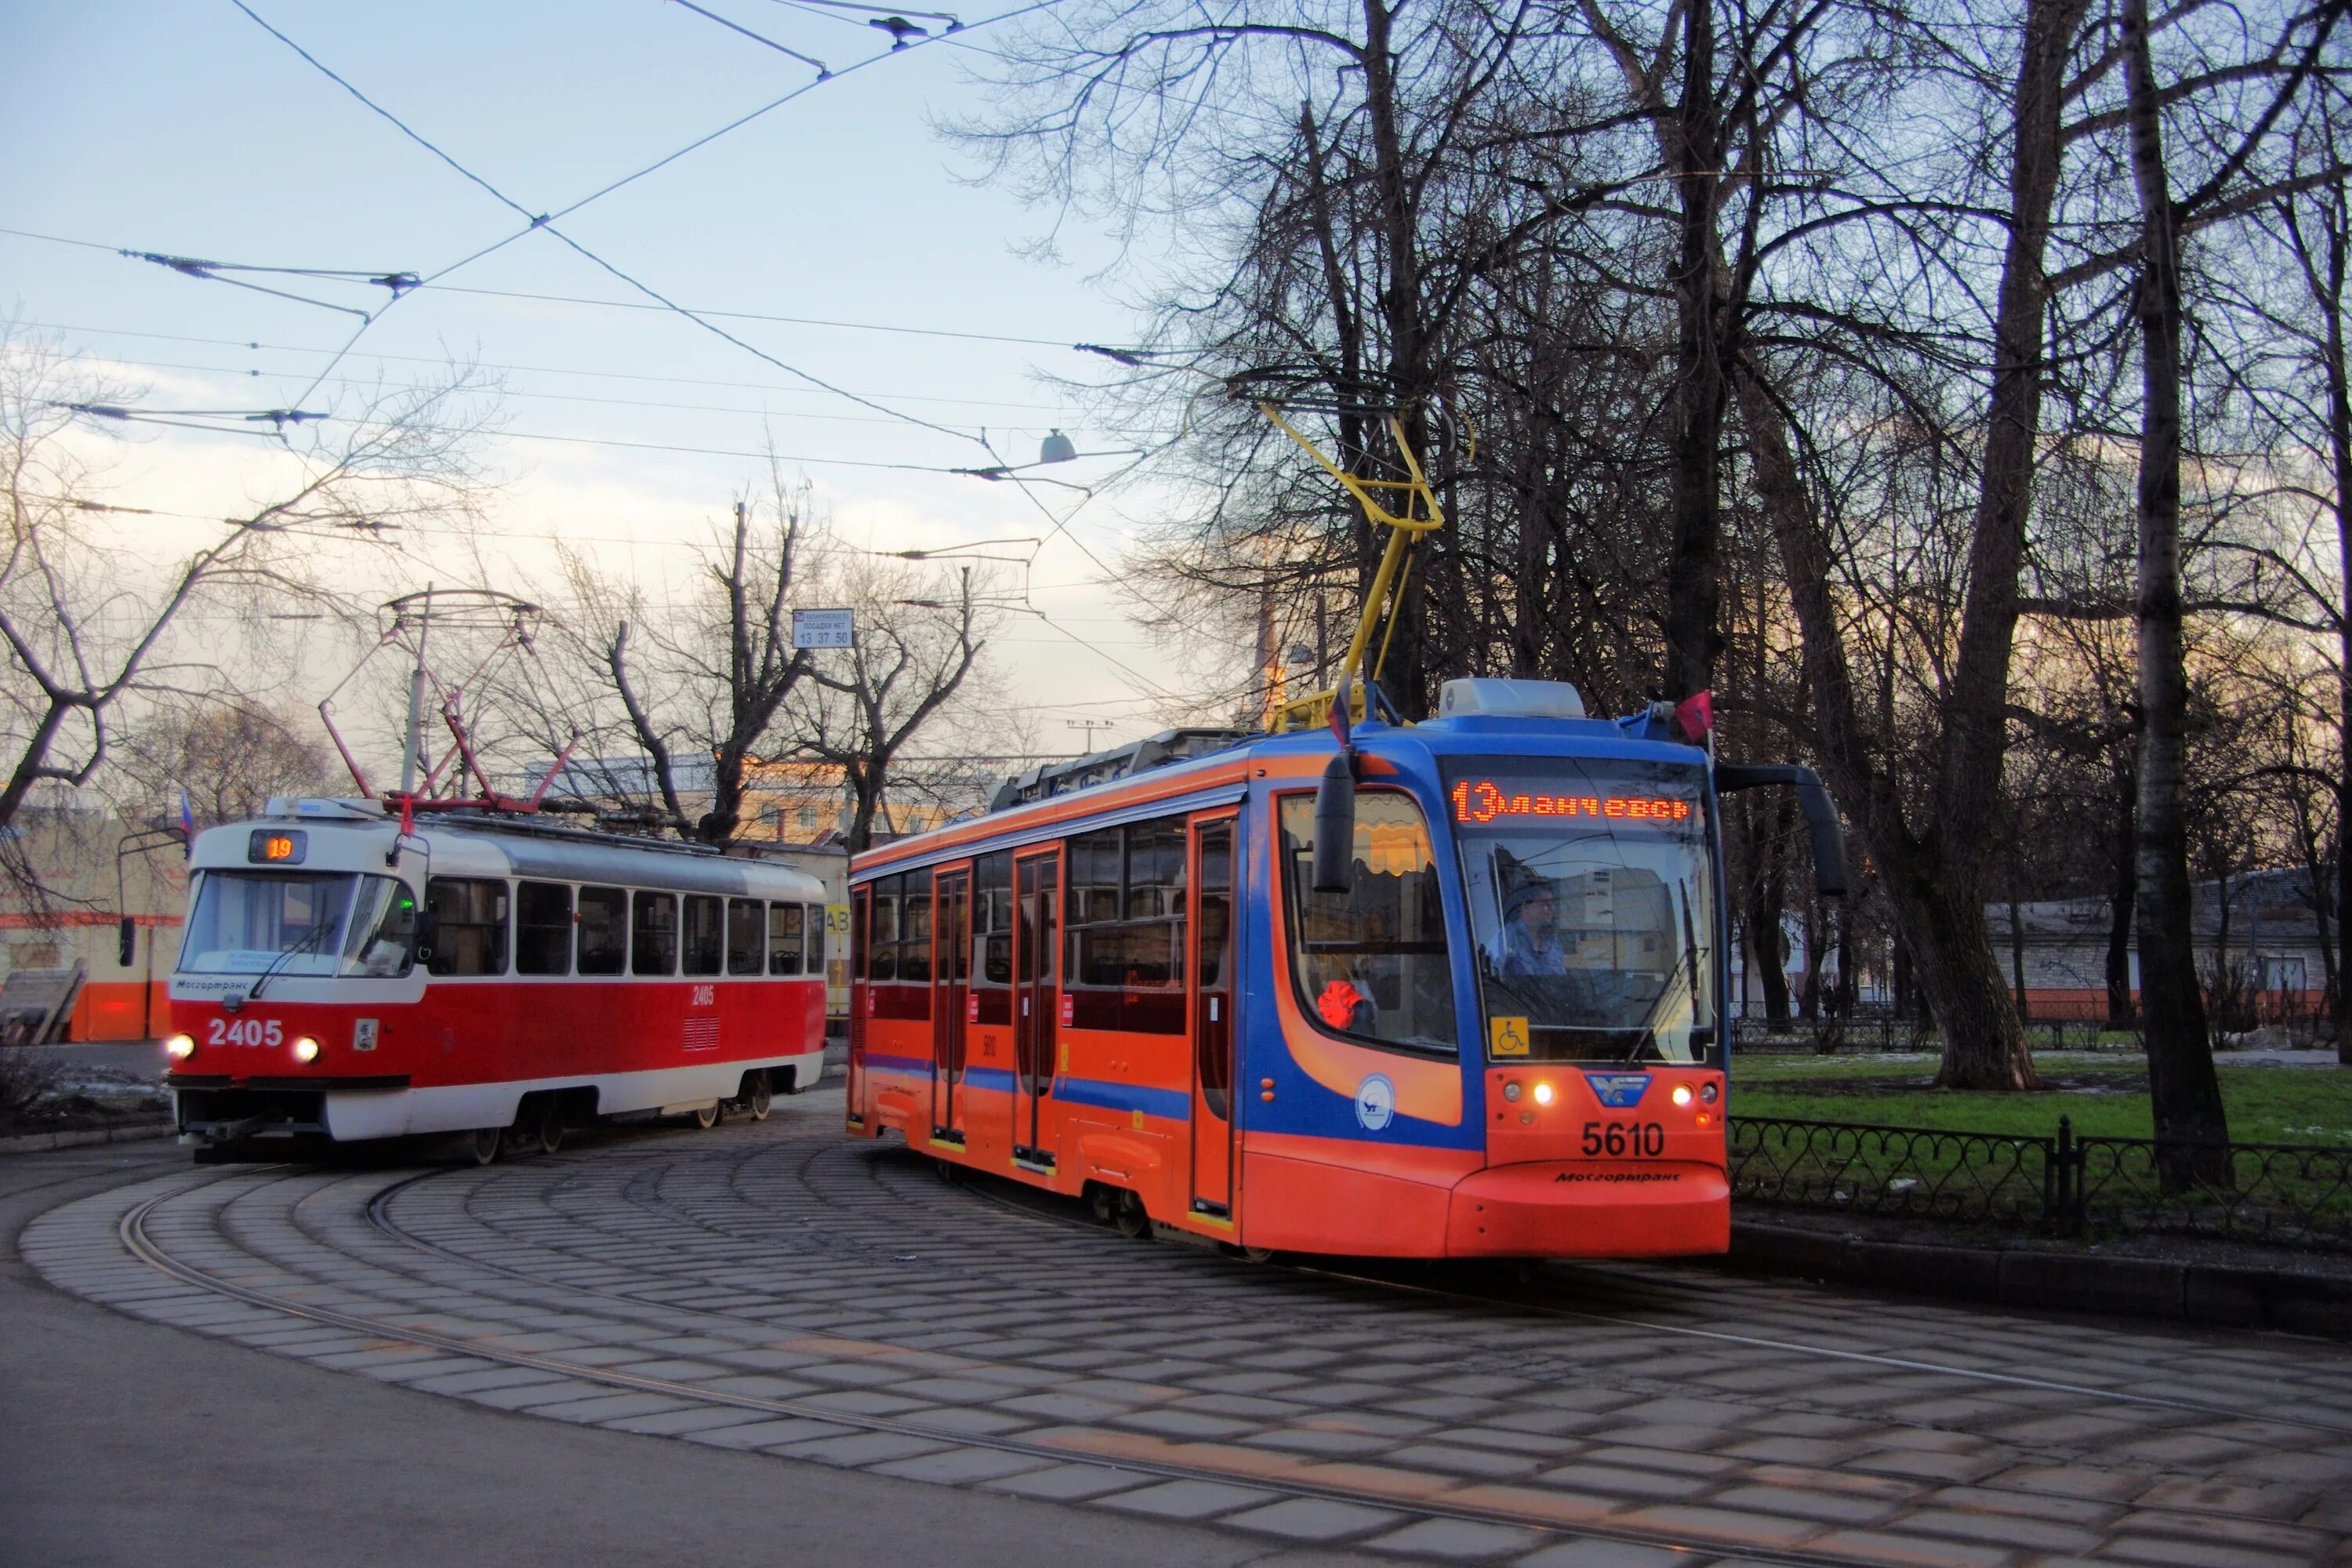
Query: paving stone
[
  {"x": 523, "y": 1396},
  {"x": 1066, "y": 1483},
  {"x": 1187, "y": 1500},
  {"x": 1662, "y": 1460},
  {"x": 2074, "y": 1481},
  {"x": 2033, "y": 1505},
  {"x": 1059, "y": 1407},
  {"x": 962, "y": 1467},
  {"x": 1312, "y": 1518},
  {"x": 608, "y": 1406},
  {"x": 859, "y": 1449},
  {"x": 1461, "y": 1540},
  {"x": 1464, "y": 1461},
  {"x": 1829, "y": 1507},
  {"x": 1591, "y": 1553},
  {"x": 2176, "y": 1553},
  {"x": 971, "y": 1422},
  {"x": 1896, "y": 1550},
  {"x": 758, "y": 1434},
  {"x": 673, "y": 1423},
  {"x": 2201, "y": 1496},
  {"x": 1928, "y": 1467},
  {"x": 1610, "y": 1480}
]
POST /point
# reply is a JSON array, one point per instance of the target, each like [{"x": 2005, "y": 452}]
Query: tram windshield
[
  {"x": 299, "y": 923},
  {"x": 1592, "y": 896}
]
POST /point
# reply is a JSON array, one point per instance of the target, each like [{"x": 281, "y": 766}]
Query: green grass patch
[{"x": 2105, "y": 1096}]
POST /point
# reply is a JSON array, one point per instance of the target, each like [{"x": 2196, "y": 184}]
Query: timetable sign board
[{"x": 825, "y": 628}]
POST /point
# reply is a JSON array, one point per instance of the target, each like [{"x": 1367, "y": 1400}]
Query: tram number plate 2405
[{"x": 1623, "y": 1140}]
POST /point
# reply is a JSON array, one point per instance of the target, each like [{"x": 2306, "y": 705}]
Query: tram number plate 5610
[{"x": 1620, "y": 1140}]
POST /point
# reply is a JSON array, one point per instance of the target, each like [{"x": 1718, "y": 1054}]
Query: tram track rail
[
  {"x": 132, "y": 1231},
  {"x": 1530, "y": 1302},
  {"x": 738, "y": 1179}
]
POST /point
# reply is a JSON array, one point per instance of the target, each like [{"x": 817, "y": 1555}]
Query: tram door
[
  {"x": 1212, "y": 1010},
  {"x": 860, "y": 999},
  {"x": 951, "y": 979},
  {"x": 1036, "y": 942}
]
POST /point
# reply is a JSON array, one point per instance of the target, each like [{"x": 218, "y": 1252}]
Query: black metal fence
[{"x": 2283, "y": 1195}]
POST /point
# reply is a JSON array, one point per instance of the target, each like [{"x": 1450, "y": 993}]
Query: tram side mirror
[
  {"x": 1335, "y": 827},
  {"x": 126, "y": 941},
  {"x": 1812, "y": 799}
]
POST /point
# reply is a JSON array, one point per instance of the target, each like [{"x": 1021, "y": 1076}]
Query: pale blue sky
[{"x": 184, "y": 128}]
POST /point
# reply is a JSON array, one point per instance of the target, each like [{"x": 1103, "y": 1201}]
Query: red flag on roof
[{"x": 1696, "y": 714}]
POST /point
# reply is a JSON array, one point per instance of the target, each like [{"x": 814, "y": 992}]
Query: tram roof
[
  {"x": 1172, "y": 778},
  {"x": 522, "y": 846}
]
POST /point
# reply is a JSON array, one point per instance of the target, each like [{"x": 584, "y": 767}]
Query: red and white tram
[{"x": 485, "y": 975}]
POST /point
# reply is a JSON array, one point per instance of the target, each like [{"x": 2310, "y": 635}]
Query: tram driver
[{"x": 1530, "y": 946}]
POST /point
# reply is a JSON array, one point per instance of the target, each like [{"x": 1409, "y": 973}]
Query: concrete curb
[
  {"x": 32, "y": 1143},
  {"x": 2218, "y": 1295}
]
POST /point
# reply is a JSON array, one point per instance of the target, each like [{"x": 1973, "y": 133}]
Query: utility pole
[
  {"x": 1090, "y": 726},
  {"x": 417, "y": 700}
]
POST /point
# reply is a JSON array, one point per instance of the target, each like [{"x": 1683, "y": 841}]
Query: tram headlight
[
  {"x": 1682, "y": 1094},
  {"x": 1543, "y": 1094},
  {"x": 306, "y": 1049},
  {"x": 1706, "y": 1092},
  {"x": 1511, "y": 1091},
  {"x": 180, "y": 1047}
]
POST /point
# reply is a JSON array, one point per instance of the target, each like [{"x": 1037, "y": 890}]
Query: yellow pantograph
[{"x": 1419, "y": 514}]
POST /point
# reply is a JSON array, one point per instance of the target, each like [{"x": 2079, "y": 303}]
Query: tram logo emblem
[
  {"x": 1618, "y": 1091},
  {"x": 1375, "y": 1102}
]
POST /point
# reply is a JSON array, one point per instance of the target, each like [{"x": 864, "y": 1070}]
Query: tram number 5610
[{"x": 1621, "y": 1139}]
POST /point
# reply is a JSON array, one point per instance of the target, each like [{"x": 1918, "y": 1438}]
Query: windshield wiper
[{"x": 309, "y": 941}]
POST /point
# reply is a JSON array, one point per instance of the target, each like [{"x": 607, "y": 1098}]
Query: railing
[{"x": 2283, "y": 1195}]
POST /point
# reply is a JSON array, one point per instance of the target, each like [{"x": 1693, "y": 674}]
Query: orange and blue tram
[{"x": 1485, "y": 1020}]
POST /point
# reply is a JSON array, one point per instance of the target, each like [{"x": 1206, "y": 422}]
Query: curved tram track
[{"x": 776, "y": 1286}]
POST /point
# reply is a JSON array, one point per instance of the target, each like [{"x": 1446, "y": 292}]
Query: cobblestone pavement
[{"x": 777, "y": 1288}]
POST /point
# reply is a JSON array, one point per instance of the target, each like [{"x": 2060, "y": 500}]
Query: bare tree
[
  {"x": 230, "y": 755},
  {"x": 862, "y": 706},
  {"x": 90, "y": 611},
  {"x": 658, "y": 708}
]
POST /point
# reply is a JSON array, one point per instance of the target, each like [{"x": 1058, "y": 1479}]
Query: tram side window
[
  {"x": 992, "y": 938},
  {"x": 542, "y": 928},
  {"x": 470, "y": 916},
  {"x": 743, "y": 937},
  {"x": 603, "y": 945},
  {"x": 816, "y": 939},
  {"x": 1371, "y": 961},
  {"x": 882, "y": 932},
  {"x": 784, "y": 923},
  {"x": 653, "y": 934},
  {"x": 706, "y": 933},
  {"x": 1126, "y": 967},
  {"x": 915, "y": 930}
]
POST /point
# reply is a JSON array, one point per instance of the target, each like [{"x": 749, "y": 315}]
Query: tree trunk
[
  {"x": 2123, "y": 1011},
  {"x": 2339, "y": 440},
  {"x": 1694, "y": 586},
  {"x": 1767, "y": 901},
  {"x": 1938, "y": 911},
  {"x": 2185, "y": 1096}
]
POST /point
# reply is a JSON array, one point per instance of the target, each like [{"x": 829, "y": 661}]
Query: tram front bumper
[{"x": 1590, "y": 1208}]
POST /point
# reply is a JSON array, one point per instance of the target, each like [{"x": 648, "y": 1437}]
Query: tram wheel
[
  {"x": 759, "y": 1099},
  {"x": 707, "y": 1117},
  {"x": 1132, "y": 1221},
  {"x": 1256, "y": 1253},
  {"x": 550, "y": 1126},
  {"x": 487, "y": 1143}
]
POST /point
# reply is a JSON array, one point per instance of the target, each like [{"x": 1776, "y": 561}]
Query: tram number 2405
[
  {"x": 1622, "y": 1138},
  {"x": 247, "y": 1032}
]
